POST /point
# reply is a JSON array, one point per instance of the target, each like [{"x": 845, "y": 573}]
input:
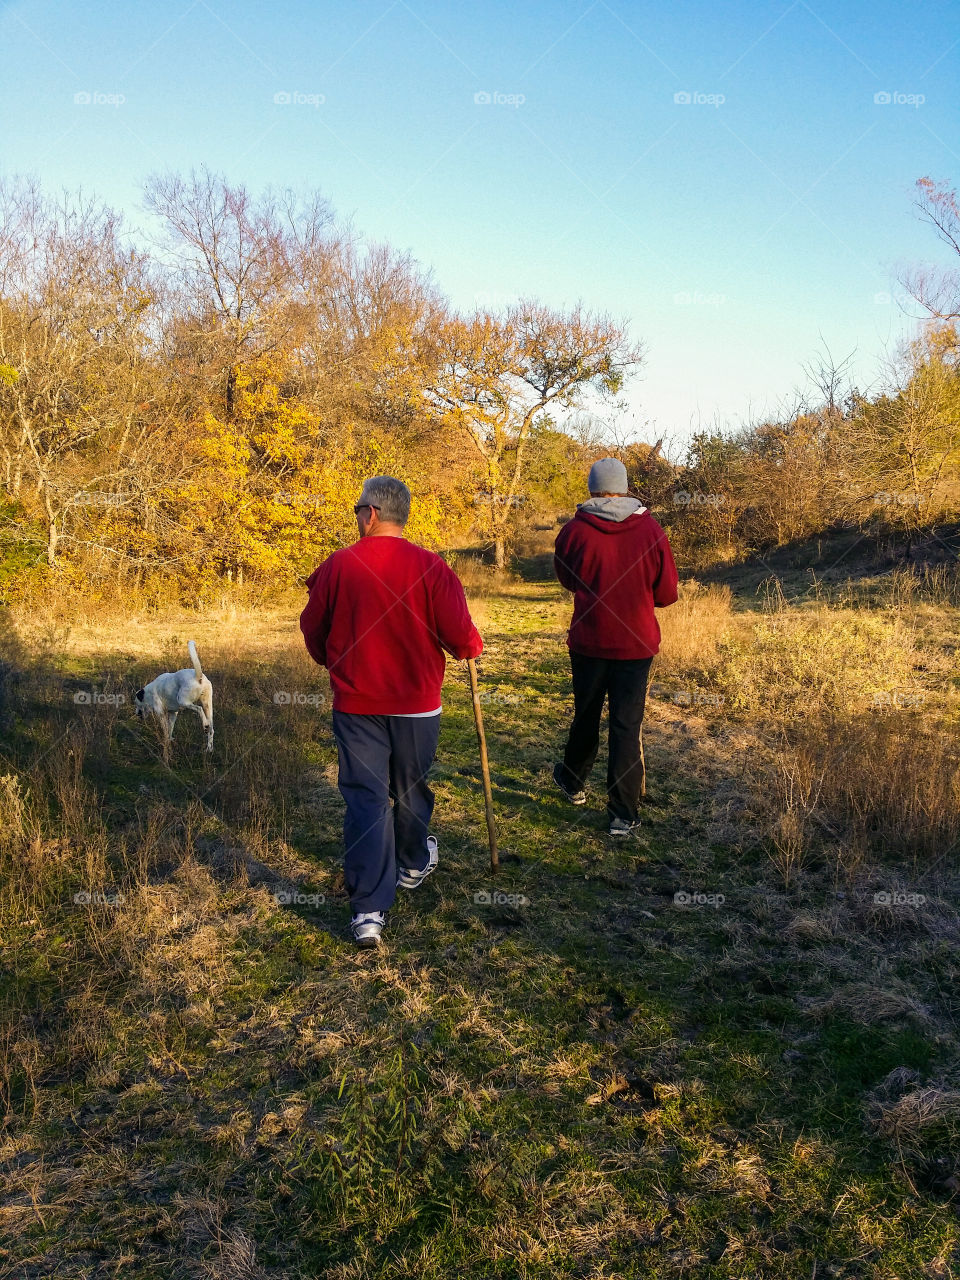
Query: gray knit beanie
[{"x": 608, "y": 475}]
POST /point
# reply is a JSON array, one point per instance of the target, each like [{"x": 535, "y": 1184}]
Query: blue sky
[{"x": 737, "y": 231}]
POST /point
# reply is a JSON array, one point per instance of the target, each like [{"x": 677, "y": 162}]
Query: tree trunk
[
  {"x": 230, "y": 394},
  {"x": 52, "y": 539}
]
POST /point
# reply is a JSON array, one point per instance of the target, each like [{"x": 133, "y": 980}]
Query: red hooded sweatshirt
[
  {"x": 380, "y": 614},
  {"x": 618, "y": 570}
]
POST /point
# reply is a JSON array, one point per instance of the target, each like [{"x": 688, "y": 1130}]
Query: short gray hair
[{"x": 391, "y": 496}]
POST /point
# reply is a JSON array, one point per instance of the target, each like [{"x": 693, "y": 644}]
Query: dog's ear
[{"x": 139, "y": 695}]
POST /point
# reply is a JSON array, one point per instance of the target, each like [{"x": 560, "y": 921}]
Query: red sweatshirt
[
  {"x": 618, "y": 571},
  {"x": 380, "y": 614}
]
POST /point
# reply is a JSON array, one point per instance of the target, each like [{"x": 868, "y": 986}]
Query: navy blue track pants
[{"x": 384, "y": 758}]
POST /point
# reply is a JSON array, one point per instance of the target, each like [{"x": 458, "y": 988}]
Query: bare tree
[
  {"x": 937, "y": 289},
  {"x": 903, "y": 448},
  {"x": 73, "y": 321},
  {"x": 497, "y": 374},
  {"x": 247, "y": 269}
]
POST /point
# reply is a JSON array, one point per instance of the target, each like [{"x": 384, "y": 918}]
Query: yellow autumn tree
[{"x": 270, "y": 495}]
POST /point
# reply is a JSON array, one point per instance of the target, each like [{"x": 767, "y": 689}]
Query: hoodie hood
[{"x": 615, "y": 509}]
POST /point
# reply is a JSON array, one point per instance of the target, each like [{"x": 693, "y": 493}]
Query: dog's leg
[
  {"x": 208, "y": 709},
  {"x": 206, "y": 721},
  {"x": 167, "y": 722}
]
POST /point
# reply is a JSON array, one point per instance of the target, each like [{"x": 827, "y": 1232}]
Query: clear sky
[{"x": 734, "y": 230}]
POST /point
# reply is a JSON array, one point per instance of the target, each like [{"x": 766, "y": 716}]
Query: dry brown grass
[
  {"x": 162, "y": 975},
  {"x": 693, "y": 629}
]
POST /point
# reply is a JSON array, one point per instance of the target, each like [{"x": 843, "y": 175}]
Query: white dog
[{"x": 177, "y": 691}]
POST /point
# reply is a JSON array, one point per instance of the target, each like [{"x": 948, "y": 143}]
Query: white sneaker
[
  {"x": 367, "y": 927},
  {"x": 409, "y": 879},
  {"x": 620, "y": 828}
]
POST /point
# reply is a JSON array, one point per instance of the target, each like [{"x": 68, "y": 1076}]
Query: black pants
[
  {"x": 384, "y": 758},
  {"x": 624, "y": 682}
]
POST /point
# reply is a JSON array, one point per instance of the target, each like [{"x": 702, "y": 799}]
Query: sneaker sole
[
  {"x": 422, "y": 875},
  {"x": 367, "y": 944},
  {"x": 574, "y": 799},
  {"x": 417, "y": 883}
]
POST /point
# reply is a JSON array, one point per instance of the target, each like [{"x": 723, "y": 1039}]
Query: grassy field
[{"x": 728, "y": 1049}]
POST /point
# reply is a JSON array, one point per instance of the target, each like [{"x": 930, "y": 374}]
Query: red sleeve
[
  {"x": 665, "y": 586},
  {"x": 315, "y": 619},
  {"x": 565, "y": 559},
  {"x": 455, "y": 629}
]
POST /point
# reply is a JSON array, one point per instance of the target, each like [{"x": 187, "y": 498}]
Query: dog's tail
[{"x": 197, "y": 669}]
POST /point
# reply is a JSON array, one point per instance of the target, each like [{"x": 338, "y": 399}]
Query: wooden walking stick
[
  {"x": 484, "y": 764},
  {"x": 643, "y": 767}
]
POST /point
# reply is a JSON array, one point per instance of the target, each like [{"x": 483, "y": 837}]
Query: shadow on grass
[{"x": 590, "y": 1076}]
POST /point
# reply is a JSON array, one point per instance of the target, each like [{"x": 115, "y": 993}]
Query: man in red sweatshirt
[
  {"x": 380, "y": 615},
  {"x": 617, "y": 561}
]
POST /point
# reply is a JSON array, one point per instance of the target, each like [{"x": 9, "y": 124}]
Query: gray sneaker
[
  {"x": 620, "y": 828},
  {"x": 367, "y": 927},
  {"x": 410, "y": 879},
  {"x": 575, "y": 797}
]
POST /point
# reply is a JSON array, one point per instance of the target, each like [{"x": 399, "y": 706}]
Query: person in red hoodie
[
  {"x": 380, "y": 615},
  {"x": 617, "y": 561}
]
